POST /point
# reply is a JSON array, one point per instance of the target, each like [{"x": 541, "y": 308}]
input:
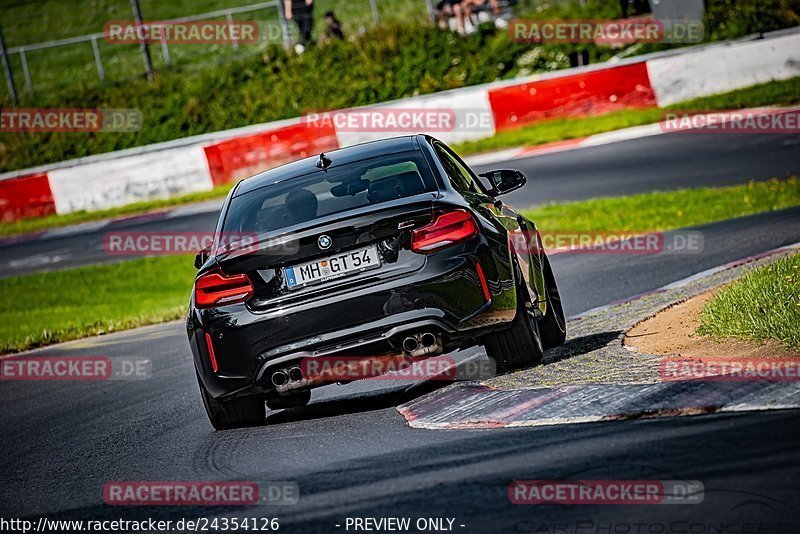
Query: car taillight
[
  {"x": 449, "y": 227},
  {"x": 217, "y": 289}
]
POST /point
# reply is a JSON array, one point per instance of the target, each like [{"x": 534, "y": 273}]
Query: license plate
[{"x": 332, "y": 267}]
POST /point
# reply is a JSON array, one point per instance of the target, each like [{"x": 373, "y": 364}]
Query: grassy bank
[
  {"x": 667, "y": 210},
  {"x": 763, "y": 304},
  {"x": 51, "y": 307},
  {"x": 47, "y": 308}
]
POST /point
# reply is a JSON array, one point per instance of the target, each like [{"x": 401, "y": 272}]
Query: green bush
[
  {"x": 729, "y": 19},
  {"x": 393, "y": 62}
]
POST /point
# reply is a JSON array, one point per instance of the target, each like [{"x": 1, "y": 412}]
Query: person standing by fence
[{"x": 302, "y": 13}]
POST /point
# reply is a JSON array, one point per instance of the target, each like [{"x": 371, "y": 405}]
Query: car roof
[{"x": 341, "y": 156}]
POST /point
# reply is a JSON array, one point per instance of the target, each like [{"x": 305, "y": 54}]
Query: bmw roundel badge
[{"x": 324, "y": 242}]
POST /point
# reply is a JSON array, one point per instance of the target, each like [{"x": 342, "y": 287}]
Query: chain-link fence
[{"x": 37, "y": 67}]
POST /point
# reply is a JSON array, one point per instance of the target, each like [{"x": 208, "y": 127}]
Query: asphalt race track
[
  {"x": 652, "y": 163},
  {"x": 353, "y": 455},
  {"x": 663, "y": 162}
]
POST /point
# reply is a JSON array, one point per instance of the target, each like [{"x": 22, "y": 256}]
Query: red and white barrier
[
  {"x": 722, "y": 67},
  {"x": 150, "y": 175},
  {"x": 26, "y": 196},
  {"x": 584, "y": 93},
  {"x": 240, "y": 157},
  {"x": 200, "y": 163}
]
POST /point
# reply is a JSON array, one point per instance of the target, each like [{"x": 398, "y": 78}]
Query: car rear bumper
[{"x": 445, "y": 297}]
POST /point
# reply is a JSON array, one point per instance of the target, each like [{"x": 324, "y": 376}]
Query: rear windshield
[{"x": 305, "y": 198}]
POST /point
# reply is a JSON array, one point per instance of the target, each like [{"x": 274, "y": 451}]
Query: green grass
[
  {"x": 56, "y": 221},
  {"x": 59, "y": 306},
  {"x": 58, "y": 68},
  {"x": 666, "y": 210},
  {"x": 46, "y": 308},
  {"x": 765, "y": 94},
  {"x": 784, "y": 92},
  {"x": 763, "y": 304},
  {"x": 54, "y": 69},
  {"x": 552, "y": 130}
]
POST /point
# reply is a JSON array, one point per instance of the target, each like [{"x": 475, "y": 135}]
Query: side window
[
  {"x": 474, "y": 184},
  {"x": 460, "y": 177}
]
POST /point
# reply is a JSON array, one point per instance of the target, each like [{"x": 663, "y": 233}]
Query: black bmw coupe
[{"x": 390, "y": 248}]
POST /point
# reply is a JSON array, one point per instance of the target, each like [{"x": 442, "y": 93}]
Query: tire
[
  {"x": 297, "y": 400},
  {"x": 553, "y": 326},
  {"x": 519, "y": 346},
  {"x": 233, "y": 413}
]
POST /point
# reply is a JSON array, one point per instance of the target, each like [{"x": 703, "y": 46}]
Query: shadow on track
[
  {"x": 362, "y": 403},
  {"x": 580, "y": 345}
]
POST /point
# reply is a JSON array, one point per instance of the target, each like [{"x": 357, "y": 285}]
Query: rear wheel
[
  {"x": 553, "y": 326},
  {"x": 233, "y": 413},
  {"x": 520, "y": 345},
  {"x": 296, "y": 400}
]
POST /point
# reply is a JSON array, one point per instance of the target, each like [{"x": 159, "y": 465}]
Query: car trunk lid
[{"x": 383, "y": 230}]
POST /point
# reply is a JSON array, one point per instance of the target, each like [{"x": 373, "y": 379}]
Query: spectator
[
  {"x": 463, "y": 10},
  {"x": 333, "y": 28},
  {"x": 477, "y": 6},
  {"x": 302, "y": 13},
  {"x": 473, "y": 4},
  {"x": 447, "y": 10}
]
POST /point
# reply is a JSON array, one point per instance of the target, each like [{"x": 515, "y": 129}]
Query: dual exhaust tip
[
  {"x": 282, "y": 377},
  {"x": 419, "y": 345},
  {"x": 426, "y": 341},
  {"x": 422, "y": 345}
]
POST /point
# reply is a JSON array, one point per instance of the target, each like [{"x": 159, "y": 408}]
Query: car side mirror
[
  {"x": 202, "y": 257},
  {"x": 505, "y": 181}
]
